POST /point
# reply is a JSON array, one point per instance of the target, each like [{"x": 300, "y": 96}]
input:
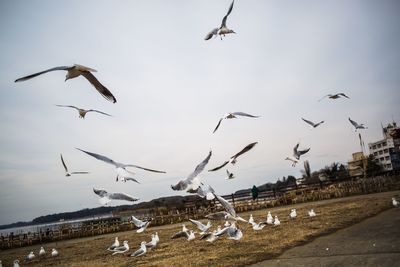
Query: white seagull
[
  {"x": 230, "y": 214},
  {"x": 231, "y": 231},
  {"x": 335, "y": 96},
  {"x": 30, "y": 256},
  {"x": 356, "y": 125},
  {"x": 210, "y": 237},
  {"x": 42, "y": 252},
  {"x": 258, "y": 226},
  {"x": 114, "y": 245},
  {"x": 395, "y": 202},
  {"x": 142, "y": 225},
  {"x": 73, "y": 72},
  {"x": 293, "y": 160},
  {"x": 270, "y": 219},
  {"x": 233, "y": 115},
  {"x": 120, "y": 167},
  {"x": 54, "y": 252},
  {"x": 121, "y": 249},
  {"x": 223, "y": 30},
  {"x": 293, "y": 214},
  {"x": 82, "y": 112},
  {"x": 106, "y": 197},
  {"x": 189, "y": 235},
  {"x": 251, "y": 219},
  {"x": 314, "y": 125},
  {"x": 277, "y": 221},
  {"x": 202, "y": 227},
  {"x": 153, "y": 243},
  {"x": 233, "y": 159},
  {"x": 67, "y": 173},
  {"x": 190, "y": 183},
  {"x": 297, "y": 153},
  {"x": 141, "y": 251},
  {"x": 16, "y": 263},
  {"x": 312, "y": 213}
]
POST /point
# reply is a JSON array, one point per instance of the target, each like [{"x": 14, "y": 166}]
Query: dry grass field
[{"x": 255, "y": 246}]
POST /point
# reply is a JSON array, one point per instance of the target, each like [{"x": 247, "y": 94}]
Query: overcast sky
[{"x": 172, "y": 87}]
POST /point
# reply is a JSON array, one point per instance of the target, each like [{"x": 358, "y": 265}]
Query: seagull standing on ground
[
  {"x": 314, "y": 125},
  {"x": 54, "y": 252},
  {"x": 312, "y": 213},
  {"x": 16, "y": 263},
  {"x": 190, "y": 183},
  {"x": 141, "y": 251},
  {"x": 67, "y": 173},
  {"x": 251, "y": 219},
  {"x": 120, "y": 167},
  {"x": 233, "y": 159},
  {"x": 189, "y": 235},
  {"x": 121, "y": 249},
  {"x": 30, "y": 256},
  {"x": 293, "y": 214},
  {"x": 223, "y": 30},
  {"x": 153, "y": 243},
  {"x": 73, "y": 72},
  {"x": 277, "y": 221},
  {"x": 106, "y": 197},
  {"x": 356, "y": 125},
  {"x": 142, "y": 225},
  {"x": 395, "y": 202},
  {"x": 114, "y": 245},
  {"x": 42, "y": 252},
  {"x": 270, "y": 219},
  {"x": 335, "y": 96},
  {"x": 82, "y": 112},
  {"x": 233, "y": 115}
]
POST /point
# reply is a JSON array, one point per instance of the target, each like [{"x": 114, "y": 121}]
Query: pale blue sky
[{"x": 172, "y": 87}]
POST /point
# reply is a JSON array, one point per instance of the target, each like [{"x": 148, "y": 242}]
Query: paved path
[{"x": 372, "y": 242}]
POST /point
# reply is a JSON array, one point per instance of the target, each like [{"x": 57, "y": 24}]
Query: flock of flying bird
[{"x": 191, "y": 184}]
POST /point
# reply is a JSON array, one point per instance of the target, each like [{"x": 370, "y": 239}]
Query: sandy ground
[{"x": 252, "y": 248}]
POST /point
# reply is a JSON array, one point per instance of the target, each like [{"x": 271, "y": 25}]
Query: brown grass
[{"x": 252, "y": 248}]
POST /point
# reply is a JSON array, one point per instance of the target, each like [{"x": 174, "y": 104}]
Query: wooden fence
[{"x": 242, "y": 202}]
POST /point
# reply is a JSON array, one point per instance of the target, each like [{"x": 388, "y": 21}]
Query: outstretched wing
[
  {"x": 219, "y": 167},
  {"x": 98, "y": 111},
  {"x": 100, "y": 192},
  {"x": 66, "y": 106},
  {"x": 309, "y": 122},
  {"x": 63, "y": 163},
  {"x": 324, "y": 97},
  {"x": 244, "y": 150},
  {"x": 42, "y": 72},
  {"x": 200, "y": 167},
  {"x": 99, "y": 157},
  {"x": 80, "y": 172},
  {"x": 223, "y": 24},
  {"x": 137, "y": 222},
  {"x": 244, "y": 114},
  {"x": 219, "y": 123},
  {"x": 180, "y": 234},
  {"x": 227, "y": 206},
  {"x": 342, "y": 94},
  {"x": 198, "y": 224},
  {"x": 99, "y": 87},
  {"x": 122, "y": 196},
  {"x": 302, "y": 152},
  {"x": 211, "y": 34},
  {"x": 131, "y": 179},
  {"x": 355, "y": 124},
  {"x": 146, "y": 169},
  {"x": 295, "y": 149}
]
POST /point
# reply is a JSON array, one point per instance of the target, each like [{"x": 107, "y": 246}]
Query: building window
[
  {"x": 375, "y": 154},
  {"x": 384, "y": 144},
  {"x": 374, "y": 147},
  {"x": 380, "y": 152},
  {"x": 386, "y": 151},
  {"x": 387, "y": 158}
]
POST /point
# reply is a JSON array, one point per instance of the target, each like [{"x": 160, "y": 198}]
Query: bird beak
[
  {"x": 66, "y": 79},
  {"x": 233, "y": 32}
]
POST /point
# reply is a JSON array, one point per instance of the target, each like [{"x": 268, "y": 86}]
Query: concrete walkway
[{"x": 372, "y": 242}]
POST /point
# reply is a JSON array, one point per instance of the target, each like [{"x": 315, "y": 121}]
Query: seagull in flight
[
  {"x": 297, "y": 153},
  {"x": 190, "y": 183},
  {"x": 189, "y": 235},
  {"x": 230, "y": 175},
  {"x": 142, "y": 225},
  {"x": 233, "y": 115},
  {"x": 82, "y": 112},
  {"x": 202, "y": 227},
  {"x": 314, "y": 125},
  {"x": 106, "y": 197},
  {"x": 233, "y": 159},
  {"x": 293, "y": 160},
  {"x": 73, "y": 72},
  {"x": 222, "y": 30},
  {"x": 230, "y": 211},
  {"x": 67, "y": 173},
  {"x": 335, "y": 96},
  {"x": 120, "y": 167},
  {"x": 356, "y": 125}
]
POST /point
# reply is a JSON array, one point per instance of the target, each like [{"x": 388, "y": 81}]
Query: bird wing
[
  {"x": 219, "y": 123},
  {"x": 146, "y": 169},
  {"x": 295, "y": 149},
  {"x": 342, "y": 94},
  {"x": 67, "y": 106},
  {"x": 122, "y": 196},
  {"x": 307, "y": 168},
  {"x": 200, "y": 167},
  {"x": 227, "y": 206},
  {"x": 99, "y": 157},
  {"x": 138, "y": 252},
  {"x": 309, "y": 122},
  {"x": 80, "y": 172},
  {"x": 223, "y": 24},
  {"x": 244, "y": 114},
  {"x": 244, "y": 150},
  {"x": 63, "y": 163},
  {"x": 98, "y": 111},
  {"x": 211, "y": 34},
  {"x": 180, "y": 234},
  {"x": 302, "y": 152},
  {"x": 132, "y": 179},
  {"x": 42, "y": 72},
  {"x": 100, "y": 192},
  {"x": 319, "y": 123},
  {"x": 198, "y": 224},
  {"x": 99, "y": 87},
  {"x": 137, "y": 222},
  {"x": 355, "y": 124},
  {"x": 223, "y": 231},
  {"x": 219, "y": 167}
]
